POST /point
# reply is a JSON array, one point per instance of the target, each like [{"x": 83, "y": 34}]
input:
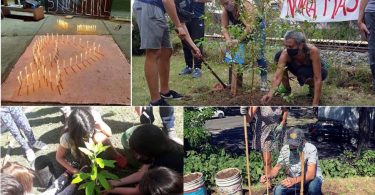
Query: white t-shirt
[{"x": 292, "y": 160}]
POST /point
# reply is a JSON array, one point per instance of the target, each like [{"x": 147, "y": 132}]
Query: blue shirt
[{"x": 158, "y": 3}]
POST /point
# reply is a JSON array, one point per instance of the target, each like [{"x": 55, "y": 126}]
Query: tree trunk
[{"x": 363, "y": 124}]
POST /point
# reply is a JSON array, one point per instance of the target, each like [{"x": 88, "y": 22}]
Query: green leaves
[
  {"x": 80, "y": 177},
  {"x": 103, "y": 181},
  {"x": 90, "y": 188},
  {"x": 86, "y": 151},
  {"x": 108, "y": 175},
  {"x": 93, "y": 181}
]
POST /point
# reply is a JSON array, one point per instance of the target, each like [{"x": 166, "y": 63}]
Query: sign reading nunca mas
[{"x": 320, "y": 10}]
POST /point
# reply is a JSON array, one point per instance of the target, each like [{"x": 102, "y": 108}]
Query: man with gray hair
[
  {"x": 290, "y": 158},
  {"x": 302, "y": 60},
  {"x": 366, "y": 24}
]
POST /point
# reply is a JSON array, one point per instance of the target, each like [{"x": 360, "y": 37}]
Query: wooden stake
[
  {"x": 302, "y": 171},
  {"x": 247, "y": 153},
  {"x": 267, "y": 175}
]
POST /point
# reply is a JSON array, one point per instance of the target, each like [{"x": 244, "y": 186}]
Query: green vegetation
[{"x": 94, "y": 181}]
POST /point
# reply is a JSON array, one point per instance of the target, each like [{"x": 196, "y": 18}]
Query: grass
[
  {"x": 47, "y": 123},
  {"x": 198, "y": 91},
  {"x": 334, "y": 186}
]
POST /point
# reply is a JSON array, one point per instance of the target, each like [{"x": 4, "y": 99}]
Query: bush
[
  {"x": 347, "y": 166},
  {"x": 195, "y": 135}
]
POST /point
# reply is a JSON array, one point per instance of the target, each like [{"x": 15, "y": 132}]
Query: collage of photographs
[{"x": 187, "y": 97}]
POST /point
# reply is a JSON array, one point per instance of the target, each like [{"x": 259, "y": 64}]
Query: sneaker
[
  {"x": 173, "y": 136},
  {"x": 58, "y": 185},
  {"x": 171, "y": 95},
  {"x": 264, "y": 86},
  {"x": 147, "y": 116},
  {"x": 30, "y": 155},
  {"x": 186, "y": 70},
  {"x": 197, "y": 73},
  {"x": 39, "y": 145},
  {"x": 160, "y": 102}
]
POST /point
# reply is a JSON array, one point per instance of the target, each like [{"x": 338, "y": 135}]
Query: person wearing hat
[
  {"x": 289, "y": 158},
  {"x": 152, "y": 148},
  {"x": 268, "y": 124}
]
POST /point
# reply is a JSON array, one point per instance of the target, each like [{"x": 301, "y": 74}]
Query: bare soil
[
  {"x": 190, "y": 177},
  {"x": 227, "y": 174},
  {"x": 224, "y": 97}
]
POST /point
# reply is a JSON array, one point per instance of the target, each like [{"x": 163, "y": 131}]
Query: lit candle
[
  {"x": 31, "y": 66},
  {"x": 26, "y": 69},
  {"x": 81, "y": 57},
  {"x": 27, "y": 80},
  {"x": 21, "y": 75},
  {"x": 49, "y": 73},
  {"x": 70, "y": 61},
  {"x": 19, "y": 81}
]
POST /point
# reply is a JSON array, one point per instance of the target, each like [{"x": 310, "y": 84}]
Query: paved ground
[
  {"x": 17, "y": 33},
  {"x": 229, "y": 134}
]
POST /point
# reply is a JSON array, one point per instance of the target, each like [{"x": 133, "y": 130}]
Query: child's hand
[{"x": 114, "y": 183}]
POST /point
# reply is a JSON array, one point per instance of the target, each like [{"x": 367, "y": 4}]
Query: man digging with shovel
[{"x": 310, "y": 177}]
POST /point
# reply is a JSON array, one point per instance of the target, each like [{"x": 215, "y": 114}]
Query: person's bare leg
[
  {"x": 152, "y": 70},
  {"x": 285, "y": 81},
  {"x": 267, "y": 159},
  {"x": 164, "y": 66}
]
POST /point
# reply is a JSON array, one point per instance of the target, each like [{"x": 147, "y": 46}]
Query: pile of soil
[
  {"x": 226, "y": 174},
  {"x": 190, "y": 177},
  {"x": 224, "y": 97}
]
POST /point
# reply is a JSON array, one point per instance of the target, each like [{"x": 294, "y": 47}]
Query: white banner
[{"x": 320, "y": 10}]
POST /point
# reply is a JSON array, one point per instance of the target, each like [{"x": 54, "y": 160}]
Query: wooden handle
[
  {"x": 302, "y": 172},
  {"x": 247, "y": 153}
]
